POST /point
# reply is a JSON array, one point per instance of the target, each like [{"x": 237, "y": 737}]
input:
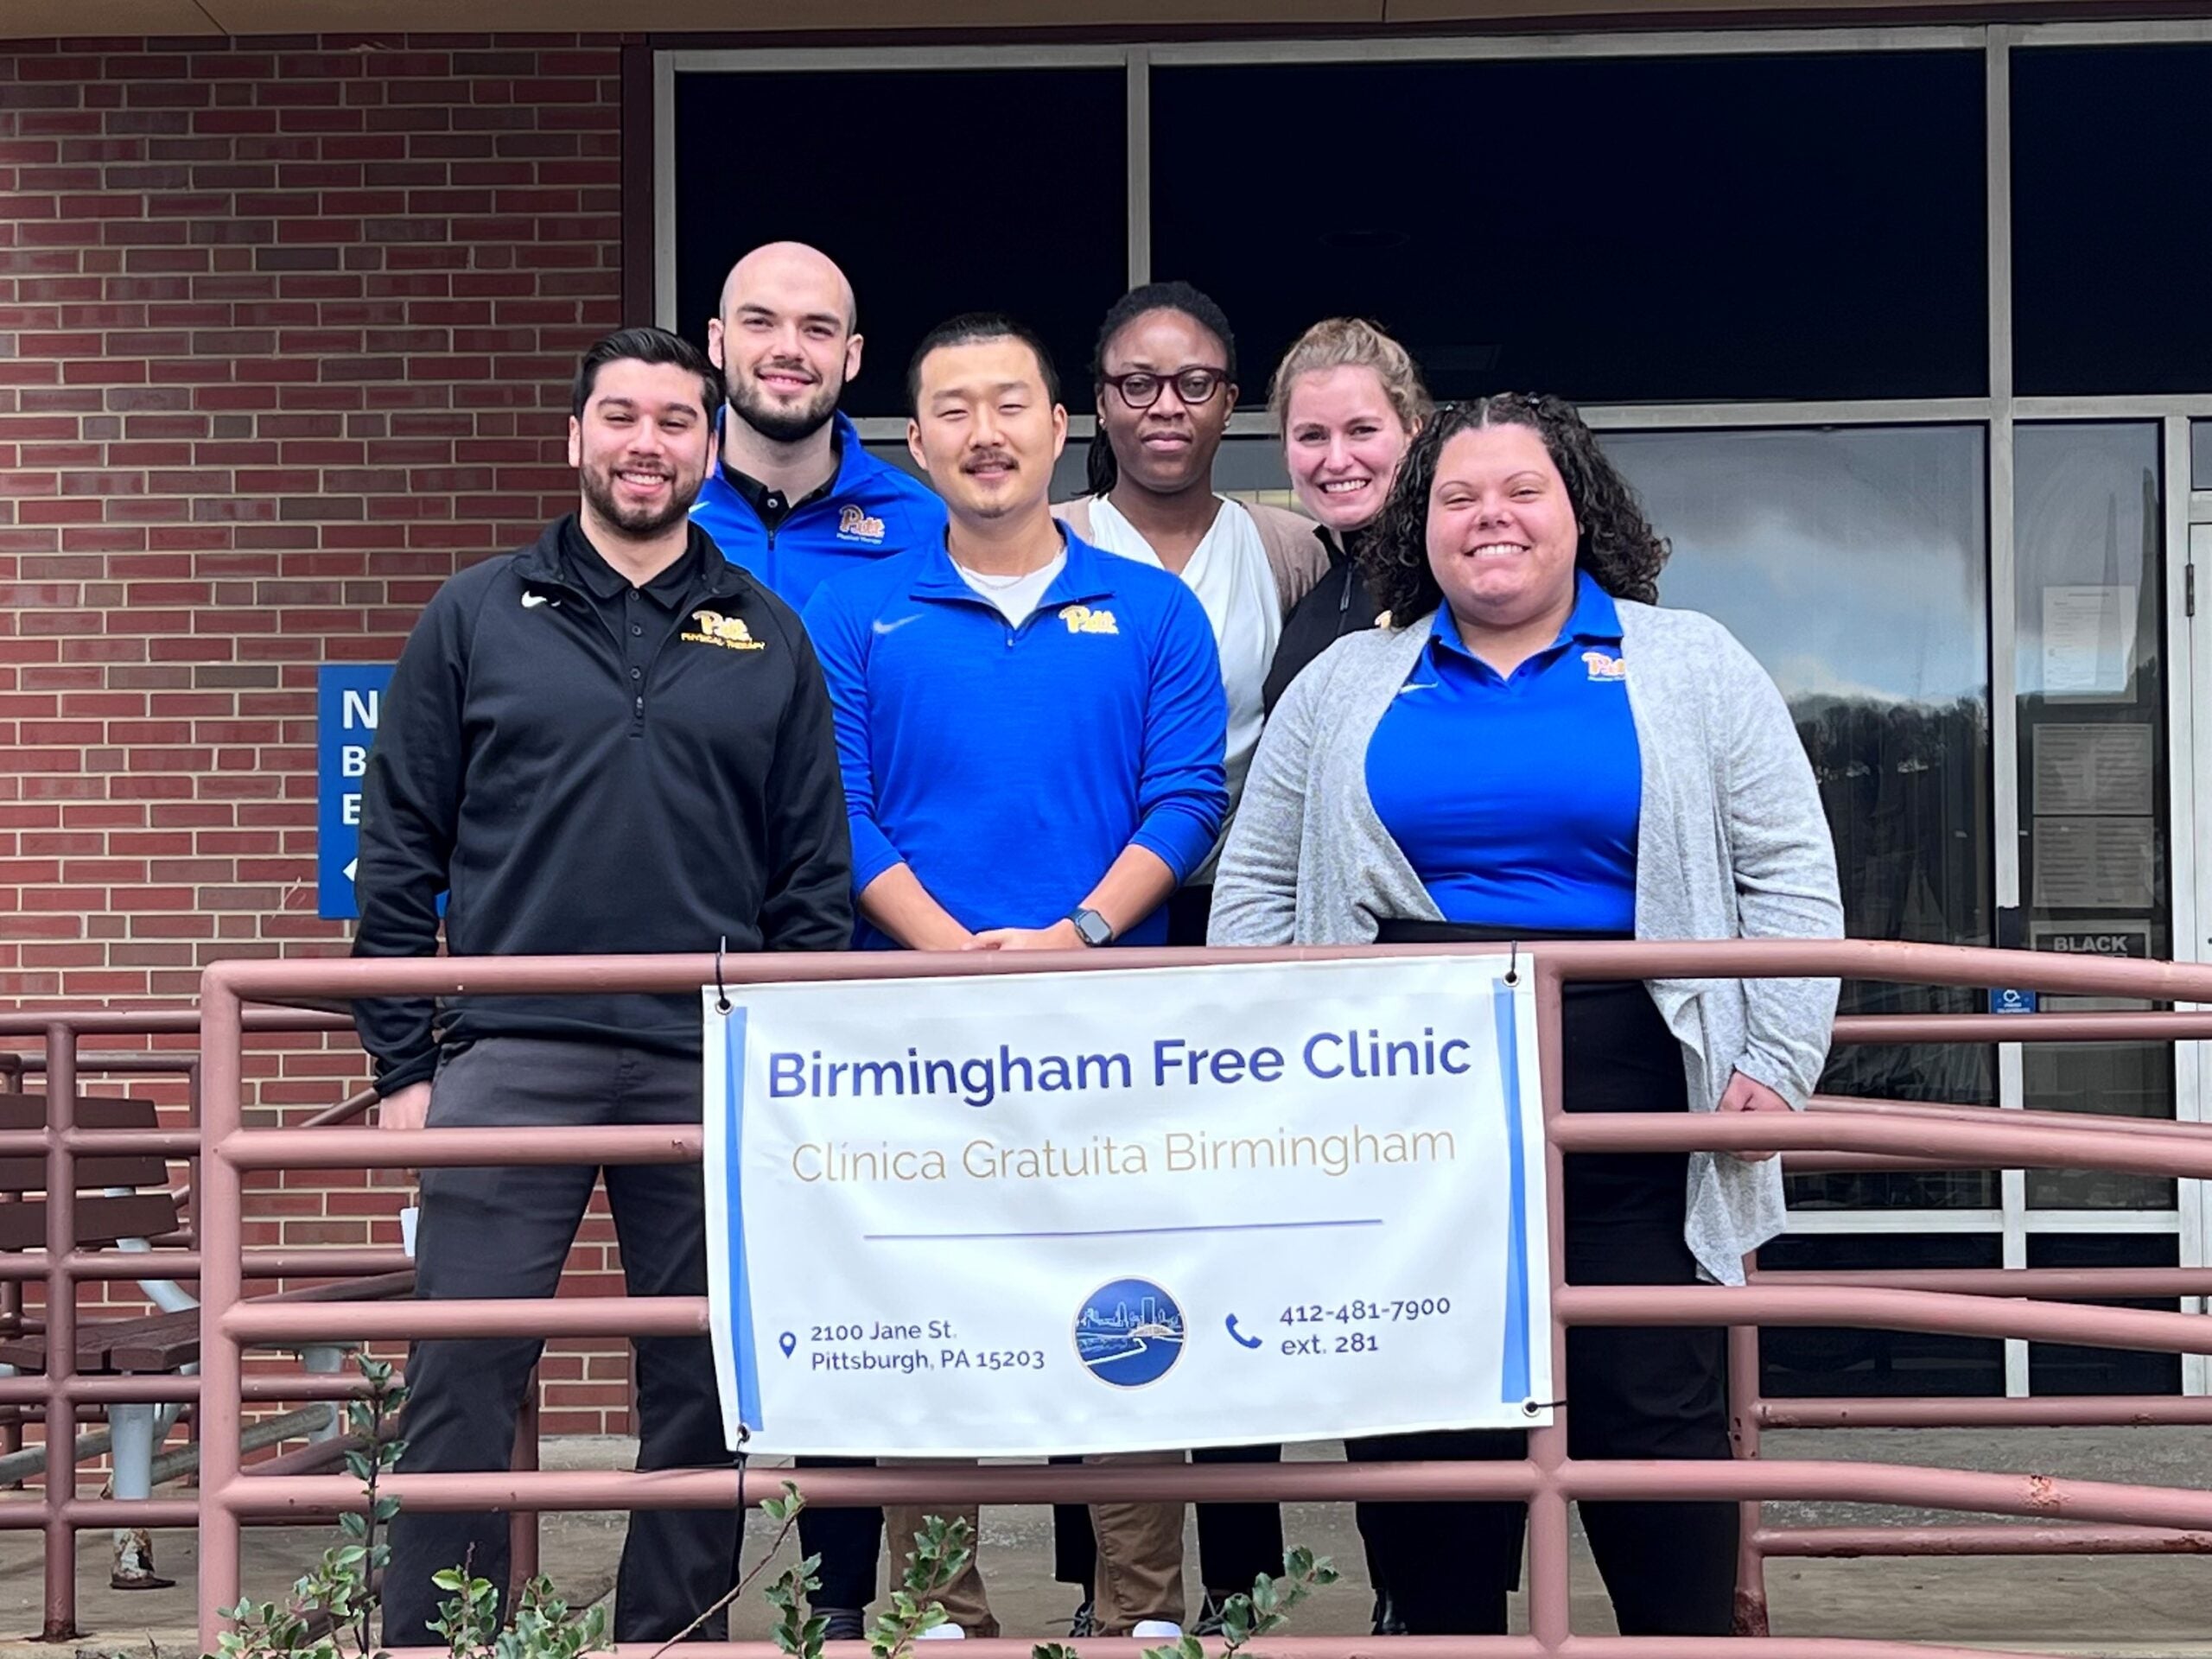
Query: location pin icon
[{"x": 787, "y": 1342}]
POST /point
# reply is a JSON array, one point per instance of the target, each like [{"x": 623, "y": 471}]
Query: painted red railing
[{"x": 2098, "y": 1516}]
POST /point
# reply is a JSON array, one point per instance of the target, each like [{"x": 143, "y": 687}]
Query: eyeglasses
[{"x": 1193, "y": 385}]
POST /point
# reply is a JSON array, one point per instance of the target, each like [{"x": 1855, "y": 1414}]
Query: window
[
  {"x": 2089, "y": 541},
  {"x": 2062, "y": 1368},
  {"x": 1814, "y": 1362},
  {"x": 1854, "y": 563},
  {"x": 2110, "y": 241},
  {"x": 1037, "y": 228},
  {"x": 1615, "y": 231}
]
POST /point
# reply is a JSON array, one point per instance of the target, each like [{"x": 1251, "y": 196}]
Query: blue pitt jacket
[
  {"x": 870, "y": 512},
  {"x": 1009, "y": 767}
]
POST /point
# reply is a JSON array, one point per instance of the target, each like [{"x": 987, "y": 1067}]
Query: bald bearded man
[{"x": 795, "y": 498}]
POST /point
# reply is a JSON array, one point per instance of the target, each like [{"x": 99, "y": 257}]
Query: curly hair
[{"x": 1617, "y": 544}]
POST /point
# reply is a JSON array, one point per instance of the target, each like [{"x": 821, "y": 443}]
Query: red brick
[{"x": 291, "y": 346}]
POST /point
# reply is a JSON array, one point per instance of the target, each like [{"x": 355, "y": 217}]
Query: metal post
[
  {"x": 1551, "y": 1595},
  {"x": 60, "y": 1333},
  {"x": 134, "y": 1430},
  {"x": 522, "y": 1524},
  {"x": 1744, "y": 1429},
  {"x": 221, "y": 1235}
]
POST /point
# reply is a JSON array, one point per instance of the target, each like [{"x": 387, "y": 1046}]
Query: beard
[
  {"x": 643, "y": 523},
  {"x": 781, "y": 423}
]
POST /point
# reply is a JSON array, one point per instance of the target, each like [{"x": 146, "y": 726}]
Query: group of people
[{"x": 763, "y": 687}]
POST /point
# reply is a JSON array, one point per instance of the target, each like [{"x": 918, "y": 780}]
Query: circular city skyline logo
[{"x": 1129, "y": 1332}]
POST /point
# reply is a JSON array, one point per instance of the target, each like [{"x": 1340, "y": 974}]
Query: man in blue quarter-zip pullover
[
  {"x": 1031, "y": 732},
  {"x": 795, "y": 498},
  {"x": 1032, "y": 750}
]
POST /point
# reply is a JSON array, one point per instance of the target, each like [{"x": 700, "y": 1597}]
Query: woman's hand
[{"x": 1745, "y": 1094}]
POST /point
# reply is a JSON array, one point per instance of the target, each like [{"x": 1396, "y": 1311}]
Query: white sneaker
[
  {"x": 1156, "y": 1630},
  {"x": 941, "y": 1633}
]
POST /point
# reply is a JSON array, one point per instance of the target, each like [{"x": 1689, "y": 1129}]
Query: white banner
[{"x": 1127, "y": 1210}]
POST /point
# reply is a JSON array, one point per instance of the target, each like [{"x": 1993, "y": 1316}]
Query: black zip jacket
[
  {"x": 1338, "y": 604},
  {"x": 579, "y": 792}
]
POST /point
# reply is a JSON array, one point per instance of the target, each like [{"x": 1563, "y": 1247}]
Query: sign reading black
[{"x": 2134, "y": 942}]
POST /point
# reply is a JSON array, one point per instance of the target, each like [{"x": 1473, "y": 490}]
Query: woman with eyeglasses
[
  {"x": 1165, "y": 376},
  {"x": 1534, "y": 749}
]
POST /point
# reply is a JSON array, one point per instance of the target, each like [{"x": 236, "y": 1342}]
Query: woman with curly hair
[{"x": 1530, "y": 748}]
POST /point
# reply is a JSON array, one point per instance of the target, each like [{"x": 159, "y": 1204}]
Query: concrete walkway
[{"x": 2132, "y": 1606}]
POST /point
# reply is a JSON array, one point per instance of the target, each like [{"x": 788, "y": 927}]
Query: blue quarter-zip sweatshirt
[
  {"x": 1009, "y": 767},
  {"x": 870, "y": 512}
]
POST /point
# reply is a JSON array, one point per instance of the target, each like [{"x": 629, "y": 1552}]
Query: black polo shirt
[{"x": 773, "y": 506}]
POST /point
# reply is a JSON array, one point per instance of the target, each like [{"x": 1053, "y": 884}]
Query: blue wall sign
[
  {"x": 2009, "y": 1000},
  {"x": 348, "y": 697}
]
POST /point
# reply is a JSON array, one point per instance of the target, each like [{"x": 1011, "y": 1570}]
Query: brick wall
[{"x": 285, "y": 333}]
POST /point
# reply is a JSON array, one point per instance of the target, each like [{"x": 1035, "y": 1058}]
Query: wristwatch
[{"x": 1090, "y": 927}]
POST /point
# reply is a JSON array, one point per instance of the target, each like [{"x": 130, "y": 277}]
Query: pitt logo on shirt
[
  {"x": 1081, "y": 618},
  {"x": 1604, "y": 666},
  {"x": 857, "y": 525},
  {"x": 728, "y": 632}
]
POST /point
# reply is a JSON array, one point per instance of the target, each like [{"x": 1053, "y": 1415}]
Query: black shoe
[
  {"x": 1387, "y": 1622},
  {"x": 845, "y": 1624},
  {"x": 1085, "y": 1622}
]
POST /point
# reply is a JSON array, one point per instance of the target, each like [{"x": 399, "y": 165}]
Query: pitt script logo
[
  {"x": 857, "y": 525},
  {"x": 728, "y": 632},
  {"x": 1604, "y": 666},
  {"x": 1081, "y": 618}
]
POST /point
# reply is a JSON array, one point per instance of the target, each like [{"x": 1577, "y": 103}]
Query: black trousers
[
  {"x": 504, "y": 1232},
  {"x": 1237, "y": 1541},
  {"x": 1075, "y": 1544},
  {"x": 848, "y": 1540},
  {"x": 1671, "y": 1568}
]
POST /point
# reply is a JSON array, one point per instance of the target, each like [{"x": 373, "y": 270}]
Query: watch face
[{"x": 1090, "y": 927}]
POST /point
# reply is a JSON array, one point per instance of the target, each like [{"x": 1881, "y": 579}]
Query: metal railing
[
  {"x": 59, "y": 1394},
  {"x": 2100, "y": 1516}
]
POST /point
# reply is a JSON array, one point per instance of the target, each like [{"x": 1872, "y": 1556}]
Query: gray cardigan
[{"x": 1731, "y": 843}]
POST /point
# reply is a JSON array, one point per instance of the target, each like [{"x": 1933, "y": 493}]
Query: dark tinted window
[
  {"x": 1816, "y": 1361},
  {"x": 2200, "y": 450},
  {"x": 2062, "y": 1368},
  {"x": 2110, "y": 241},
  {"x": 1625, "y": 230},
  {"x": 1035, "y": 227}
]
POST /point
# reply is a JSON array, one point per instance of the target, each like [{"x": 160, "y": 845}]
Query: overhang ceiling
[{"x": 85, "y": 19}]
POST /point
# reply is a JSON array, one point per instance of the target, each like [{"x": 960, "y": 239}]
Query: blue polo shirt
[
  {"x": 1516, "y": 799},
  {"x": 1009, "y": 767},
  {"x": 869, "y": 511}
]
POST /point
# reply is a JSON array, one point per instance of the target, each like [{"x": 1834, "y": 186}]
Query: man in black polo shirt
[{"x": 612, "y": 741}]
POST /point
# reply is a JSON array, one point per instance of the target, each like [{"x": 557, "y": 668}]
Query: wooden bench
[{"x": 120, "y": 1198}]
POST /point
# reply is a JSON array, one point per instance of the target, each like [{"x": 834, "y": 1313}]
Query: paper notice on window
[
  {"x": 2088, "y": 641},
  {"x": 2095, "y": 864},
  {"x": 2108, "y": 770}
]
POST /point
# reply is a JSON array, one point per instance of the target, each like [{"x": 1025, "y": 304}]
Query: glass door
[{"x": 2095, "y": 679}]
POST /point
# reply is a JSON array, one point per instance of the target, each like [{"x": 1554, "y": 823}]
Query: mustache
[{"x": 991, "y": 458}]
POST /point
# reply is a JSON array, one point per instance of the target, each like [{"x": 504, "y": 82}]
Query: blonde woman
[{"x": 1349, "y": 400}]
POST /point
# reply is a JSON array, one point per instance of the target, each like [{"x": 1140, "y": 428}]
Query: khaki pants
[
  {"x": 1139, "y": 1559},
  {"x": 1140, "y": 1555},
  {"x": 966, "y": 1602}
]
